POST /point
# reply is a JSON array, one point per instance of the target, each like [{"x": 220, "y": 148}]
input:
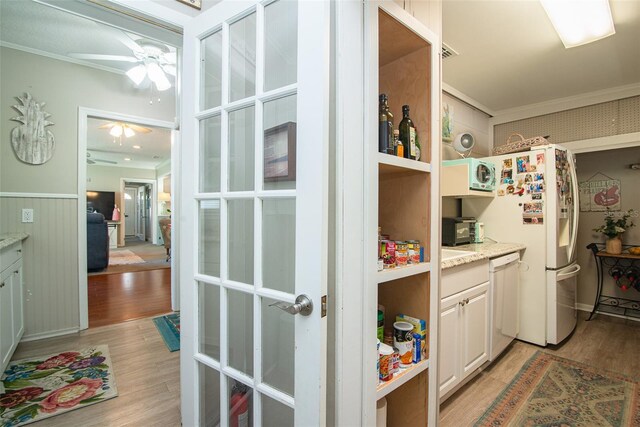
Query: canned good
[
  {"x": 388, "y": 337},
  {"x": 380, "y": 325},
  {"x": 403, "y": 341},
  {"x": 396, "y": 360},
  {"x": 386, "y": 353},
  {"x": 402, "y": 254},
  {"x": 414, "y": 251},
  {"x": 388, "y": 253}
]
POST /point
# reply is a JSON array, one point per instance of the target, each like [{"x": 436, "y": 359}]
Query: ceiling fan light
[
  {"x": 116, "y": 131},
  {"x": 158, "y": 76},
  {"x": 137, "y": 74},
  {"x": 580, "y": 22},
  {"x": 128, "y": 132}
]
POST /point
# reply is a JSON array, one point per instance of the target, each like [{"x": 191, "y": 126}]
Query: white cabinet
[
  {"x": 11, "y": 303},
  {"x": 464, "y": 324}
]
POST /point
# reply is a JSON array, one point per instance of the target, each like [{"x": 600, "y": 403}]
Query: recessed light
[
  {"x": 127, "y": 159},
  {"x": 137, "y": 147}
]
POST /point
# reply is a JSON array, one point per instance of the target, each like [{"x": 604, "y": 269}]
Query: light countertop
[
  {"x": 8, "y": 239},
  {"x": 482, "y": 251}
]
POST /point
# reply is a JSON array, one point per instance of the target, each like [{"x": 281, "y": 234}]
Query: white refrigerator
[{"x": 536, "y": 204}]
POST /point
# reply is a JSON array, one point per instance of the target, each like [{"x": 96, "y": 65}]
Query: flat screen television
[{"x": 101, "y": 201}]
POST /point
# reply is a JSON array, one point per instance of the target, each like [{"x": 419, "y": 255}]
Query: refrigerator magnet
[{"x": 532, "y": 213}]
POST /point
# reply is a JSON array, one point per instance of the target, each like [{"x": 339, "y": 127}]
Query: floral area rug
[
  {"x": 41, "y": 387},
  {"x": 169, "y": 328},
  {"x": 123, "y": 257},
  {"x": 553, "y": 391}
]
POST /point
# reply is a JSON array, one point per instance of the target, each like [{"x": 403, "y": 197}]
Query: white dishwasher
[{"x": 504, "y": 287}]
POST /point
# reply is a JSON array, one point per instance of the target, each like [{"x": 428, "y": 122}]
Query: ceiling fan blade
[
  {"x": 169, "y": 69},
  {"x": 105, "y": 161},
  {"x": 128, "y": 41},
  {"x": 107, "y": 126},
  {"x": 137, "y": 128},
  {"x": 99, "y": 57}
]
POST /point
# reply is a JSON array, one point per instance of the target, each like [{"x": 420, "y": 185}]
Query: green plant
[{"x": 612, "y": 227}]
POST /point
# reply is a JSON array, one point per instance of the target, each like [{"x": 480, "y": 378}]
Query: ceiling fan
[
  {"x": 154, "y": 60},
  {"x": 92, "y": 161}
]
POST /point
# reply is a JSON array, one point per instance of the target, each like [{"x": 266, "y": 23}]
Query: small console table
[{"x": 624, "y": 266}]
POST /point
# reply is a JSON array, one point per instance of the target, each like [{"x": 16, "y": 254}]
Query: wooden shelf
[
  {"x": 400, "y": 272},
  {"x": 400, "y": 378},
  {"x": 391, "y": 165}
]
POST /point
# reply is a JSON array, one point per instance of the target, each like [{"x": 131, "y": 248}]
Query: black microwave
[{"x": 458, "y": 231}]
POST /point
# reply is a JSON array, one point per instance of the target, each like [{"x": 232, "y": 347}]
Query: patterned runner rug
[
  {"x": 41, "y": 387},
  {"x": 123, "y": 256},
  {"x": 553, "y": 391}
]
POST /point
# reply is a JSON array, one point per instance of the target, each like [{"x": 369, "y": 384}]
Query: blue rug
[{"x": 169, "y": 328}]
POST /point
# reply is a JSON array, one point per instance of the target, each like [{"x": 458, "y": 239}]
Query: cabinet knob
[
  {"x": 19, "y": 251},
  {"x": 2, "y": 285}
]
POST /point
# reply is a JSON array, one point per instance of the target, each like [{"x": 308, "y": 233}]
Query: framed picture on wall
[{"x": 280, "y": 153}]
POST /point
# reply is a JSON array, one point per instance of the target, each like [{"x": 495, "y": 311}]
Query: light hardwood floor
[
  {"x": 147, "y": 376},
  {"x": 605, "y": 342}
]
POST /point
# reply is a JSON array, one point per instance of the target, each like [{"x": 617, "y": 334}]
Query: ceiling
[
  {"x": 155, "y": 146},
  {"x": 511, "y": 56},
  {"x": 40, "y": 28}
]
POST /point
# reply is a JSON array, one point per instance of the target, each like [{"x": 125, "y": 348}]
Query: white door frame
[{"x": 84, "y": 114}]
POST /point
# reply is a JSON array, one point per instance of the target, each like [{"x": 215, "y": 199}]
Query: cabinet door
[
  {"x": 475, "y": 327},
  {"x": 17, "y": 302},
  {"x": 449, "y": 345},
  {"x": 6, "y": 318}
]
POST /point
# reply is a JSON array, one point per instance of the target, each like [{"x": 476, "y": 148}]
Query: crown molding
[
  {"x": 60, "y": 57},
  {"x": 562, "y": 104}
]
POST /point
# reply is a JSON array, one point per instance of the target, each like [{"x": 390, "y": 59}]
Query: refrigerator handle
[
  {"x": 575, "y": 268},
  {"x": 576, "y": 206}
]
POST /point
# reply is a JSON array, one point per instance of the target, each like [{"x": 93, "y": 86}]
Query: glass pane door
[{"x": 248, "y": 229}]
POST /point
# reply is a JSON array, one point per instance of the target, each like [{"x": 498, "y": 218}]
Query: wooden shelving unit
[{"x": 404, "y": 196}]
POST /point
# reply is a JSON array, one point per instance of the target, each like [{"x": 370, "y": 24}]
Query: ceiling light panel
[{"x": 580, "y": 22}]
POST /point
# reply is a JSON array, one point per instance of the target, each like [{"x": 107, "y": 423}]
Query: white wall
[{"x": 51, "y": 270}]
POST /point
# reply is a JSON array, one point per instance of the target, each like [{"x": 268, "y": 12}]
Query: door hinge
[{"x": 323, "y": 306}]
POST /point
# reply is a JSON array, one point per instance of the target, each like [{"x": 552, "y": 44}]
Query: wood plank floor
[
  {"x": 115, "y": 298},
  {"x": 605, "y": 342},
  {"x": 147, "y": 376}
]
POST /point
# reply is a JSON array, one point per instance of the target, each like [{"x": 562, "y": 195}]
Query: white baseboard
[
  {"x": 588, "y": 308},
  {"x": 51, "y": 334}
]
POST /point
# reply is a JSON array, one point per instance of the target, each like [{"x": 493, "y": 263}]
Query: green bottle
[{"x": 407, "y": 134}]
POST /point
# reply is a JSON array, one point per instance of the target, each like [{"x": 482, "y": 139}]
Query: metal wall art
[{"x": 32, "y": 142}]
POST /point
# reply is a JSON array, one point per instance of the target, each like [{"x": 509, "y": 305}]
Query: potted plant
[{"x": 613, "y": 228}]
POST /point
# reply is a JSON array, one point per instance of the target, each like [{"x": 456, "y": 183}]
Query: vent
[{"x": 448, "y": 51}]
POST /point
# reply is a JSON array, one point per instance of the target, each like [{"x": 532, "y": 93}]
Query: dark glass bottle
[
  {"x": 407, "y": 134},
  {"x": 383, "y": 125}
]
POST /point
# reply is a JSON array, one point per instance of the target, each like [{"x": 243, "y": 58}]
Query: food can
[
  {"x": 386, "y": 353},
  {"x": 388, "y": 337},
  {"x": 414, "y": 251},
  {"x": 378, "y": 364},
  {"x": 388, "y": 254},
  {"x": 402, "y": 254},
  {"x": 396, "y": 361},
  {"x": 403, "y": 341}
]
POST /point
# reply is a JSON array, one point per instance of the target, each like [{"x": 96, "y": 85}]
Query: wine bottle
[
  {"x": 407, "y": 134},
  {"x": 383, "y": 125},
  {"x": 390, "y": 147}
]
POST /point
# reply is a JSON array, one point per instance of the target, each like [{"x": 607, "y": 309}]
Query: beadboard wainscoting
[{"x": 50, "y": 257}]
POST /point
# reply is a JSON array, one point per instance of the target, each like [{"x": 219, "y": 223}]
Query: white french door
[{"x": 253, "y": 240}]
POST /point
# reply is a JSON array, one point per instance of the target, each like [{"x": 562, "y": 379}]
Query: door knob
[{"x": 303, "y": 305}]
